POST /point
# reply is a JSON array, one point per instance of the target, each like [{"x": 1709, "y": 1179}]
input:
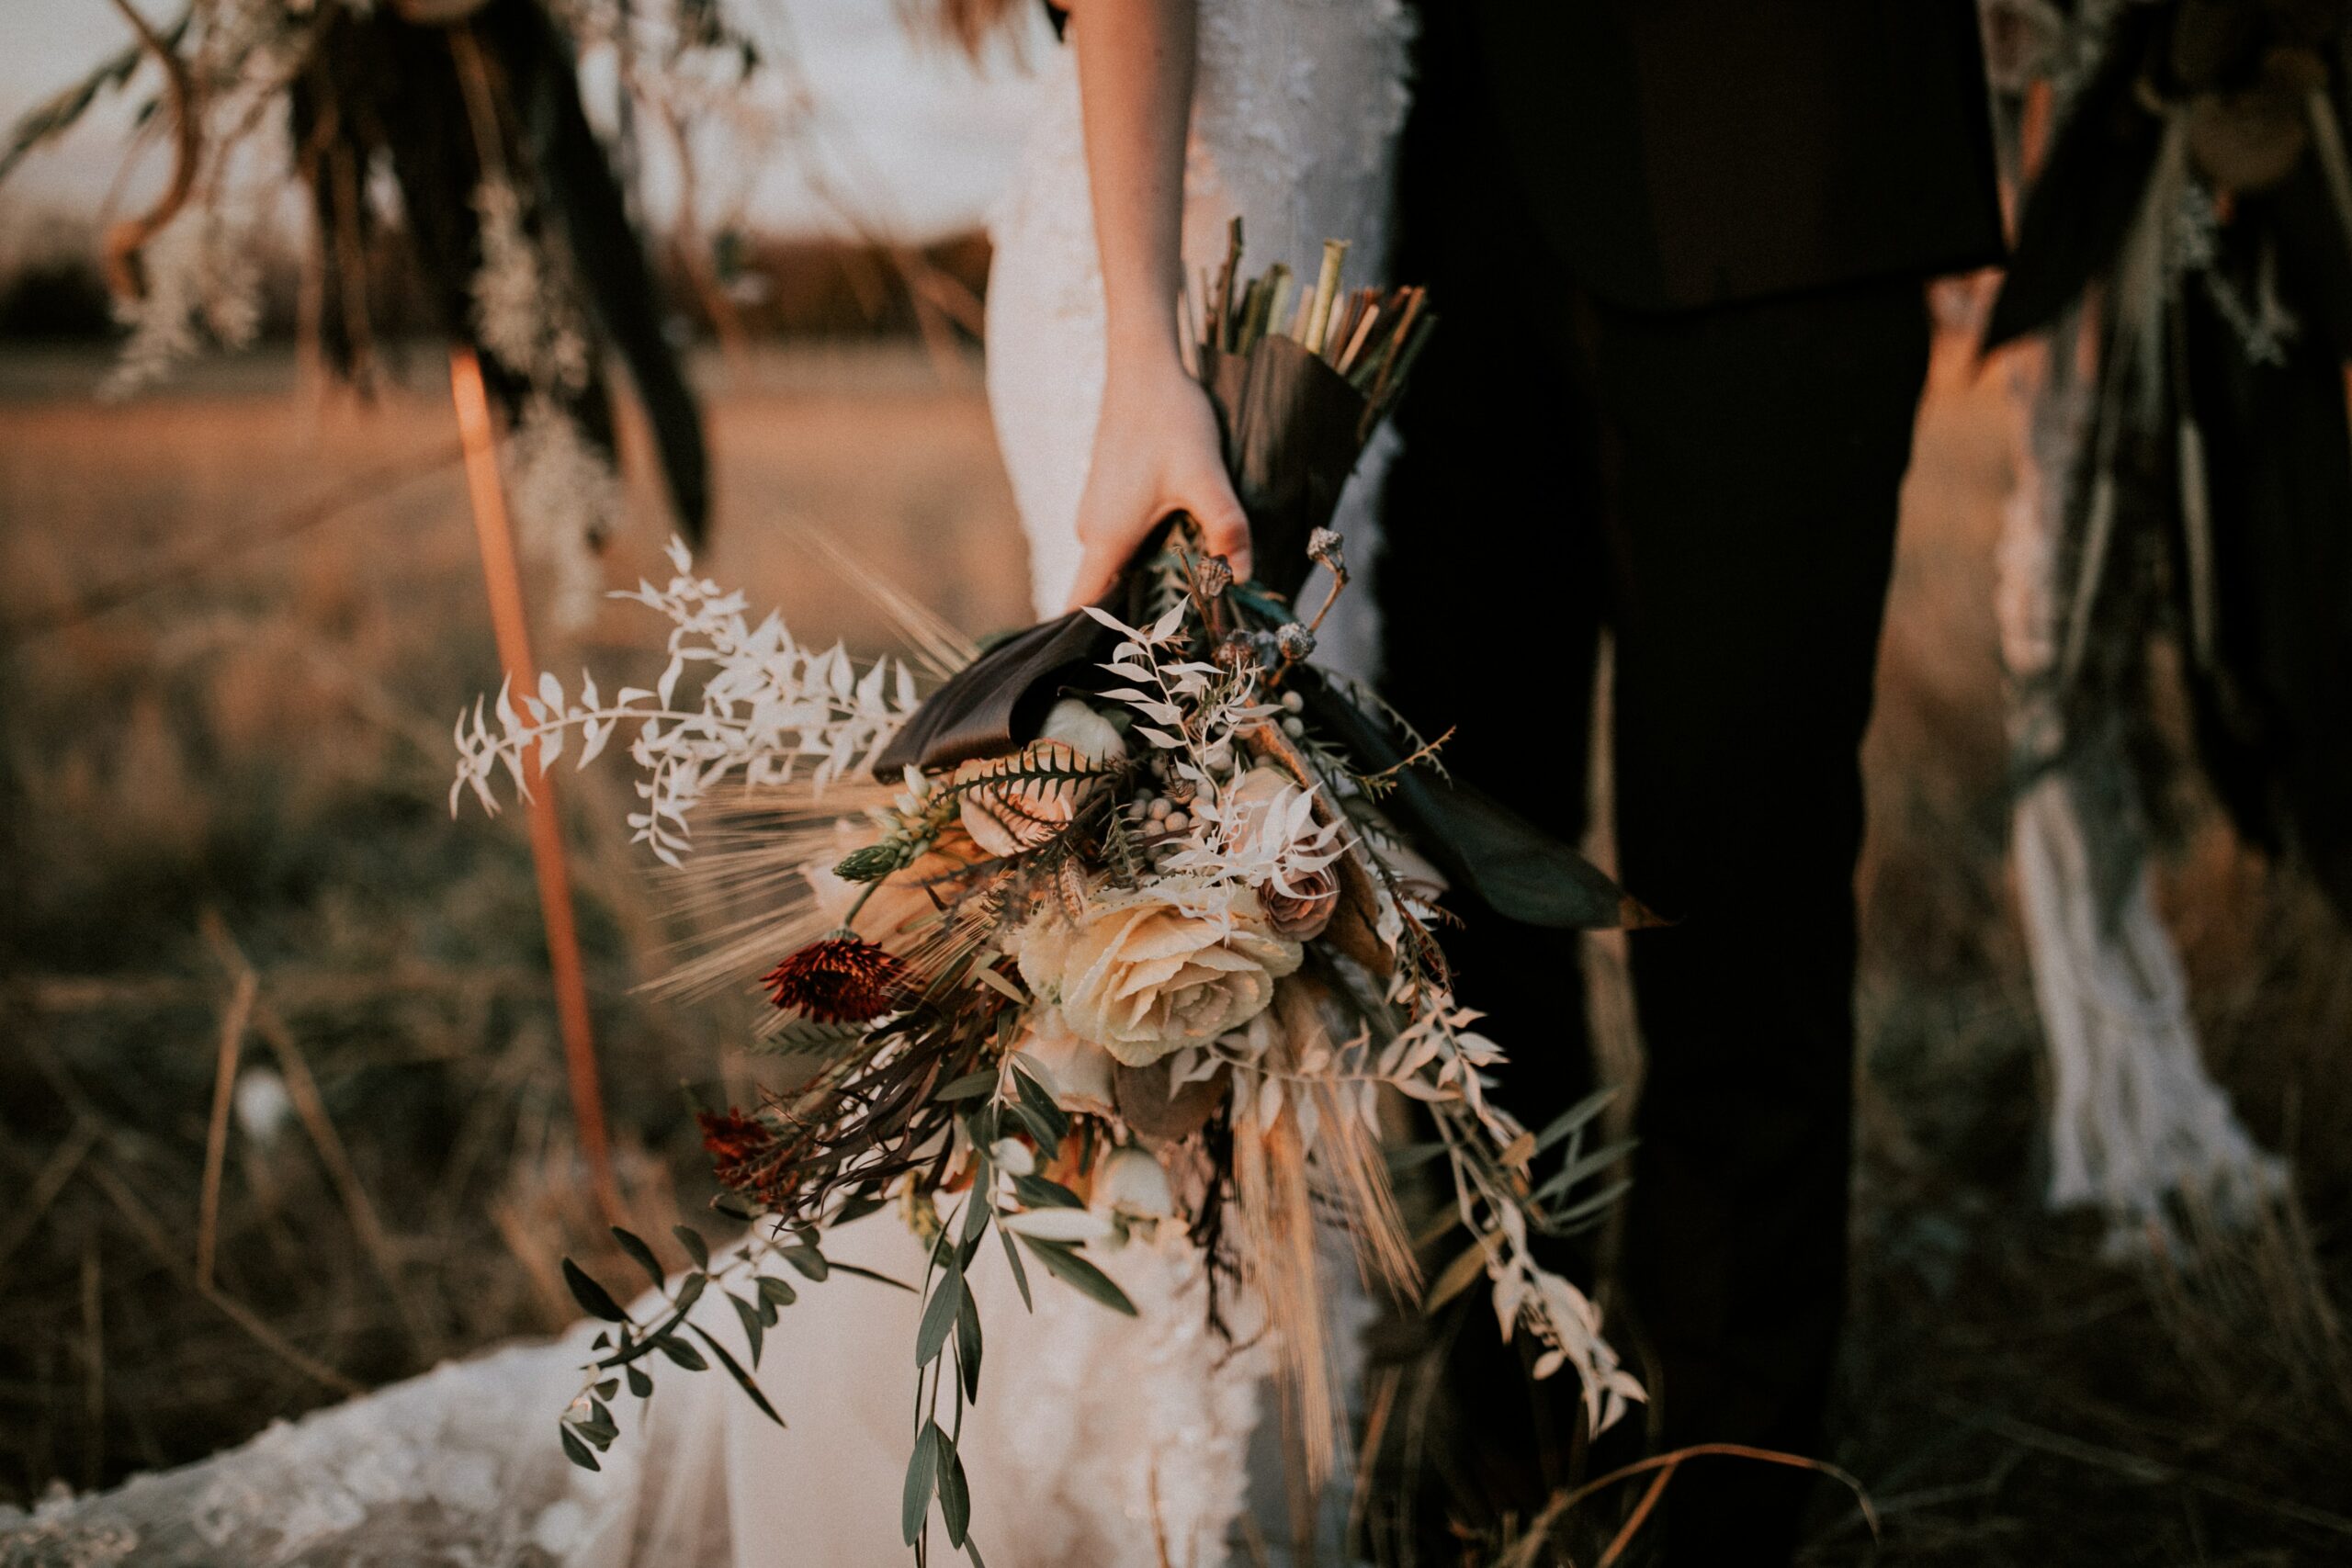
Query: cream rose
[
  {"x": 1141, "y": 973},
  {"x": 1077, "y": 1072}
]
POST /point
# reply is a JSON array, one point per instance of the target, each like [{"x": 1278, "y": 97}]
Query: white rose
[{"x": 1141, "y": 973}]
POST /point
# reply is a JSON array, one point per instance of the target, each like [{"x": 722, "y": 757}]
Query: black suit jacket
[{"x": 1679, "y": 153}]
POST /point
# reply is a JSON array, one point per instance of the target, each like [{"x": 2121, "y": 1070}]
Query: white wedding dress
[{"x": 1097, "y": 1441}]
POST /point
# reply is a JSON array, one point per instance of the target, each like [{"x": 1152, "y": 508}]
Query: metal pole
[{"x": 503, "y": 579}]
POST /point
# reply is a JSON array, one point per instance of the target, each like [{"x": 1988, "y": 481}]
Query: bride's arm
[{"x": 1155, "y": 450}]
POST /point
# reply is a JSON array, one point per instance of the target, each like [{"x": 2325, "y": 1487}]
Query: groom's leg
[
  {"x": 1490, "y": 587},
  {"x": 1754, "y": 457}
]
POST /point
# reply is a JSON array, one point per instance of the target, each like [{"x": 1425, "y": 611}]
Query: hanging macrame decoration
[
  {"x": 2185, "y": 504},
  {"x": 508, "y": 206}
]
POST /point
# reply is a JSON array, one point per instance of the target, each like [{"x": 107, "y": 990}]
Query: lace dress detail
[{"x": 1298, "y": 106}]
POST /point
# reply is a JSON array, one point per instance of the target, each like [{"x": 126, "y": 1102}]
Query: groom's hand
[{"x": 1155, "y": 452}]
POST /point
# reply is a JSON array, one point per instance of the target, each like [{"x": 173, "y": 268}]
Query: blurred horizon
[{"x": 899, "y": 136}]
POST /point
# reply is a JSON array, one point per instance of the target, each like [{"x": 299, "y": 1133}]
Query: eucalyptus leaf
[
  {"x": 754, "y": 1324},
  {"x": 640, "y": 1382},
  {"x": 577, "y": 1451},
  {"x": 967, "y": 1344},
  {"x": 635, "y": 1246},
  {"x": 1064, "y": 1263},
  {"x": 681, "y": 1352},
  {"x": 691, "y": 1239},
  {"x": 1020, "y": 1274},
  {"x": 591, "y": 1296},
  {"x": 971, "y": 1086},
  {"x": 954, "y": 1492},
  {"x": 939, "y": 1315},
  {"x": 923, "y": 1474},
  {"x": 735, "y": 1370}
]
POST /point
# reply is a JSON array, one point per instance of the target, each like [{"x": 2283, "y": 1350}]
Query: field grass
[{"x": 242, "y": 771}]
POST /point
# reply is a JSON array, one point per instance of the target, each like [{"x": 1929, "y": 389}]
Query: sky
[{"x": 905, "y": 130}]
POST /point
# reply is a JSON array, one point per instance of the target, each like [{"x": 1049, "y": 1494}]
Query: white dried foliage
[
  {"x": 521, "y": 313},
  {"x": 1195, "y": 715},
  {"x": 565, "y": 498},
  {"x": 203, "y": 285},
  {"x": 768, "y": 709}
]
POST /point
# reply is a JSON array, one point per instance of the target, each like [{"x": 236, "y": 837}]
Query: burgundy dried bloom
[
  {"x": 841, "y": 978},
  {"x": 743, "y": 1150}
]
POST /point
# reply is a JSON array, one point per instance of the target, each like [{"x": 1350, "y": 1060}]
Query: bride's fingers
[
  {"x": 1097, "y": 568},
  {"x": 1224, "y": 527}
]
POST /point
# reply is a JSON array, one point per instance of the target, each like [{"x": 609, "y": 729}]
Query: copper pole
[{"x": 504, "y": 580}]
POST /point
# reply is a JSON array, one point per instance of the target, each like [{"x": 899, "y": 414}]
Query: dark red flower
[
  {"x": 745, "y": 1153},
  {"x": 840, "y": 979}
]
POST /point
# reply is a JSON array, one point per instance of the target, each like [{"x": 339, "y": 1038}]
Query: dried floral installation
[
  {"x": 2185, "y": 258},
  {"x": 1134, "y": 936}
]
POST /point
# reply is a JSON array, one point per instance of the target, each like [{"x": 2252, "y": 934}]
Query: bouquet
[{"x": 1134, "y": 932}]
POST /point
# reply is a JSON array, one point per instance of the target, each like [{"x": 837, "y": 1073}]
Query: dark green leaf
[
  {"x": 691, "y": 1239},
  {"x": 690, "y": 1290},
  {"x": 1064, "y": 1263},
  {"x": 967, "y": 1344},
  {"x": 1020, "y": 1274},
  {"x": 681, "y": 1352},
  {"x": 1578, "y": 1170},
  {"x": 1041, "y": 1105},
  {"x": 939, "y": 1315},
  {"x": 971, "y": 1086},
  {"x": 955, "y": 1495},
  {"x": 601, "y": 1342},
  {"x": 577, "y": 1451},
  {"x": 608, "y": 1388},
  {"x": 754, "y": 1329},
  {"x": 640, "y": 1383},
  {"x": 735, "y": 1370},
  {"x": 857, "y": 1209},
  {"x": 1586, "y": 1207},
  {"x": 780, "y": 1292},
  {"x": 808, "y": 1259},
  {"x": 870, "y": 1274},
  {"x": 591, "y": 1295},
  {"x": 1037, "y": 1192},
  {"x": 923, "y": 1474},
  {"x": 1573, "y": 1117},
  {"x": 635, "y": 1246}
]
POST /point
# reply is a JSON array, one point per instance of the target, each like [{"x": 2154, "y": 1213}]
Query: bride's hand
[{"x": 1156, "y": 451}]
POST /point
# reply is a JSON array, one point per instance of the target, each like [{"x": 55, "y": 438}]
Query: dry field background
[{"x": 225, "y": 814}]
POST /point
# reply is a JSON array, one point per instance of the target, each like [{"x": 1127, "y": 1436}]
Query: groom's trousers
[{"x": 1716, "y": 490}]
